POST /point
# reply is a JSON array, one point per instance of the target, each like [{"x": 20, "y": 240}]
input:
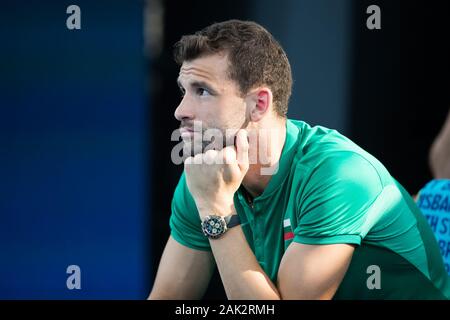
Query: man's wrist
[{"x": 223, "y": 208}]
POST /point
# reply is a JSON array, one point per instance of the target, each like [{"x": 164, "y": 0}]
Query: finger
[
  {"x": 229, "y": 155},
  {"x": 210, "y": 156},
  {"x": 242, "y": 147},
  {"x": 198, "y": 158},
  {"x": 188, "y": 160}
]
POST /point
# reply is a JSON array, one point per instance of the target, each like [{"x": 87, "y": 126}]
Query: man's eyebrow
[{"x": 198, "y": 84}]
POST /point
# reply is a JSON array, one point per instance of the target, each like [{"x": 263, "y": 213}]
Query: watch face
[{"x": 213, "y": 226}]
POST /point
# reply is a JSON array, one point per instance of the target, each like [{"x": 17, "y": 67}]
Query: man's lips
[
  {"x": 187, "y": 133},
  {"x": 186, "y": 130}
]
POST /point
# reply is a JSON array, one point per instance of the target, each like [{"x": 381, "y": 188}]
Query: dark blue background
[{"x": 73, "y": 165}]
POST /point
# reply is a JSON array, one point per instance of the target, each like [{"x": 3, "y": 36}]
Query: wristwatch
[{"x": 215, "y": 226}]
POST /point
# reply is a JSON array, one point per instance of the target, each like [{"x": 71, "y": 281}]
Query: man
[
  {"x": 316, "y": 218},
  {"x": 434, "y": 198},
  {"x": 440, "y": 152}
]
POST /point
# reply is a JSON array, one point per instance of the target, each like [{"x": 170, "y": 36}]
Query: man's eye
[{"x": 203, "y": 92}]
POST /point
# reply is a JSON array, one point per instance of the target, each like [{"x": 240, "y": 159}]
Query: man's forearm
[{"x": 242, "y": 276}]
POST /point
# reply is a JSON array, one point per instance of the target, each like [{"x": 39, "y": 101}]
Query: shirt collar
[{"x": 284, "y": 164}]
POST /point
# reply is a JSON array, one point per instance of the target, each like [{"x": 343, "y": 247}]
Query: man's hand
[{"x": 214, "y": 176}]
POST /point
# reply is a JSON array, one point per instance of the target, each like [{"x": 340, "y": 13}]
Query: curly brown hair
[{"x": 255, "y": 57}]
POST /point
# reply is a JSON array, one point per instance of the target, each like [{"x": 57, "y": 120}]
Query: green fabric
[{"x": 327, "y": 190}]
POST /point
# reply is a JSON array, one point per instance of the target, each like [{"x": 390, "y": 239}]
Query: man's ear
[{"x": 260, "y": 101}]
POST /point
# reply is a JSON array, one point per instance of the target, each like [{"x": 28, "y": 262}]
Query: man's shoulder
[
  {"x": 318, "y": 142},
  {"x": 321, "y": 147},
  {"x": 343, "y": 172},
  {"x": 326, "y": 156}
]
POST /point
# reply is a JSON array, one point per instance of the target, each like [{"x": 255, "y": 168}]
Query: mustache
[
  {"x": 206, "y": 142},
  {"x": 188, "y": 125}
]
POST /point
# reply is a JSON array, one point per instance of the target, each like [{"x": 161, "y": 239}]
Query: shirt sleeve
[
  {"x": 185, "y": 223},
  {"x": 337, "y": 202}
]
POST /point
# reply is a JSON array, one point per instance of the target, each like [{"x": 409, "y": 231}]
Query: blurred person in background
[
  {"x": 434, "y": 198},
  {"x": 440, "y": 152}
]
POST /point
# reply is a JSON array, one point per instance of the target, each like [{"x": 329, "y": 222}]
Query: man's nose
[{"x": 184, "y": 110}]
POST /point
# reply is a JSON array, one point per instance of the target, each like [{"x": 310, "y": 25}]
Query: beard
[
  {"x": 203, "y": 141},
  {"x": 212, "y": 138}
]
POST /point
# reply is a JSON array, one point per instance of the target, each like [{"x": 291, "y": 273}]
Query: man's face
[{"x": 211, "y": 99}]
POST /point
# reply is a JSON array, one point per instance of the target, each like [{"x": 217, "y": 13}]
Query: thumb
[{"x": 242, "y": 149}]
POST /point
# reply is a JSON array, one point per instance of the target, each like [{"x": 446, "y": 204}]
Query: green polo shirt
[{"x": 328, "y": 190}]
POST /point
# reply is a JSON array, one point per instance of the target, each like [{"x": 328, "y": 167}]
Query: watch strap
[{"x": 232, "y": 220}]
